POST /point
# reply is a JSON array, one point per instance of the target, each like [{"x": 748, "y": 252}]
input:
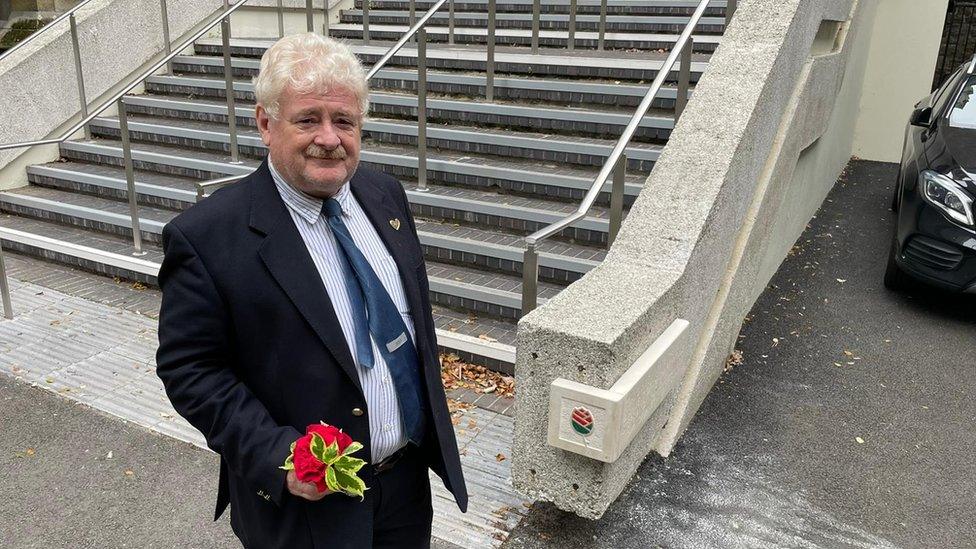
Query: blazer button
[{"x": 357, "y": 412}]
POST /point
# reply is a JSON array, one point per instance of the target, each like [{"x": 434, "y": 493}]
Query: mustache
[{"x": 315, "y": 151}]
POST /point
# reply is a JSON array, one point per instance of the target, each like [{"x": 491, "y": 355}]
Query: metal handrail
[
  {"x": 404, "y": 39},
  {"x": 416, "y": 29},
  {"x": 222, "y": 17},
  {"x": 615, "y": 164},
  {"x": 215, "y": 19},
  {"x": 35, "y": 34},
  {"x": 8, "y": 311}
]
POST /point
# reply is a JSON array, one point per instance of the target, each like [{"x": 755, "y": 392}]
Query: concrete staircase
[{"x": 497, "y": 171}]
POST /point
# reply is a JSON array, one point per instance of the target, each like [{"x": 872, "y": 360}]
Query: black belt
[{"x": 391, "y": 460}]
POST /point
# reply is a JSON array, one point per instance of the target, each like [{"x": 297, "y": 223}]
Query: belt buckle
[{"x": 390, "y": 460}]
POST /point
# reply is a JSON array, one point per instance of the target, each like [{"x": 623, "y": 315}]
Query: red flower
[
  {"x": 308, "y": 468},
  {"x": 324, "y": 446},
  {"x": 330, "y": 434}
]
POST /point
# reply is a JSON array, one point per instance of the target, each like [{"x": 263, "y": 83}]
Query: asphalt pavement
[
  {"x": 74, "y": 477},
  {"x": 851, "y": 421}
]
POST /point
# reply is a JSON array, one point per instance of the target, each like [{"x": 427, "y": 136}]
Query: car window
[
  {"x": 963, "y": 113},
  {"x": 946, "y": 92}
]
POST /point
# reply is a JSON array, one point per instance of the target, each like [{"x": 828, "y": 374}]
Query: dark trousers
[{"x": 402, "y": 511}]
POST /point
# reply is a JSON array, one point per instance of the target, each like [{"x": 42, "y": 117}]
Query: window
[
  {"x": 963, "y": 113},
  {"x": 945, "y": 93}
]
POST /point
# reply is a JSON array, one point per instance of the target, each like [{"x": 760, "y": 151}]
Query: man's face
[{"x": 314, "y": 142}]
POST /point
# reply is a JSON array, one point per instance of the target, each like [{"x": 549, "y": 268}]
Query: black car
[{"x": 935, "y": 236}]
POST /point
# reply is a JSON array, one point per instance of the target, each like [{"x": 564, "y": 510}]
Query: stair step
[
  {"x": 552, "y": 181},
  {"x": 489, "y": 293},
  {"x": 706, "y": 43},
  {"x": 542, "y": 147},
  {"x": 511, "y": 213},
  {"x": 449, "y": 242},
  {"x": 655, "y": 126},
  {"x": 556, "y": 91},
  {"x": 477, "y": 339},
  {"x": 623, "y": 7},
  {"x": 647, "y": 24},
  {"x": 152, "y": 189},
  {"x": 474, "y": 206},
  {"x": 612, "y": 65}
]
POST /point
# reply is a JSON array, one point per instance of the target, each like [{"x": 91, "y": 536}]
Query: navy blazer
[{"x": 250, "y": 352}]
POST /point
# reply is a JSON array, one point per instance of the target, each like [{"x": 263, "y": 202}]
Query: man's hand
[{"x": 306, "y": 490}]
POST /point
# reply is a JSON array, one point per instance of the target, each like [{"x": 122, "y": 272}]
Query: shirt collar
[{"x": 307, "y": 206}]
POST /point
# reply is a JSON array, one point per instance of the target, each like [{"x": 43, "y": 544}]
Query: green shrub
[{"x": 19, "y": 31}]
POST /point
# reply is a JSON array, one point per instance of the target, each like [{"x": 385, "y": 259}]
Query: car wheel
[{"x": 895, "y": 279}]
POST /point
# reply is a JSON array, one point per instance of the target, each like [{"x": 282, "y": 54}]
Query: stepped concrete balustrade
[
  {"x": 616, "y": 163},
  {"x": 48, "y": 62},
  {"x": 118, "y": 100},
  {"x": 747, "y": 165}
]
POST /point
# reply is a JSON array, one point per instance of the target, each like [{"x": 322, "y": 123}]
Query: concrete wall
[
  {"x": 769, "y": 129},
  {"x": 38, "y": 83},
  {"x": 259, "y": 19},
  {"x": 903, "y": 53}
]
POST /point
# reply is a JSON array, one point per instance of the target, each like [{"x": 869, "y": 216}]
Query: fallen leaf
[
  {"x": 129, "y": 473},
  {"x": 487, "y": 338},
  {"x": 500, "y": 457},
  {"x": 30, "y": 452}
]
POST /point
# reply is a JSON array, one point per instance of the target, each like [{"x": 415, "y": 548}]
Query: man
[{"x": 299, "y": 295}]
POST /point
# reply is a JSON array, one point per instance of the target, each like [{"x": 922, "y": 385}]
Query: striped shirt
[{"x": 386, "y": 430}]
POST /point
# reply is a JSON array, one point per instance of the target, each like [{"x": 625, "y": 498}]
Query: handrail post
[
  {"x": 490, "y": 61},
  {"x": 450, "y": 22},
  {"x": 281, "y": 20},
  {"x": 8, "y": 311},
  {"x": 421, "y": 109},
  {"x": 603, "y": 25},
  {"x": 413, "y": 12},
  {"x": 684, "y": 79},
  {"x": 229, "y": 86},
  {"x": 730, "y": 8},
  {"x": 82, "y": 97},
  {"x": 366, "y": 22},
  {"x": 130, "y": 179},
  {"x": 530, "y": 278},
  {"x": 166, "y": 45},
  {"x": 309, "y": 17},
  {"x": 536, "y": 8},
  {"x": 617, "y": 198},
  {"x": 571, "y": 38},
  {"x": 325, "y": 12}
]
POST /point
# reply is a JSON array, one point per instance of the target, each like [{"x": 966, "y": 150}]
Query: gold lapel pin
[{"x": 395, "y": 223}]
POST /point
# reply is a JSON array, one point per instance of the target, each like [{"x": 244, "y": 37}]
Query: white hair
[{"x": 308, "y": 63}]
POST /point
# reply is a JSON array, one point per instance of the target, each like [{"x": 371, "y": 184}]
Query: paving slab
[{"x": 849, "y": 422}]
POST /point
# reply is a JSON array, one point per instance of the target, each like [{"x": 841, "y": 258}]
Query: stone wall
[
  {"x": 768, "y": 131},
  {"x": 38, "y": 83}
]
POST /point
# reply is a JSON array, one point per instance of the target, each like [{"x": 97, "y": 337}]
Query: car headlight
[{"x": 945, "y": 194}]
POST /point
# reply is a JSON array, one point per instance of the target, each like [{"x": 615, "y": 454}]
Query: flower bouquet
[{"x": 322, "y": 456}]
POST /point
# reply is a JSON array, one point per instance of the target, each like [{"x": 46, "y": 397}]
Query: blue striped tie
[{"x": 373, "y": 307}]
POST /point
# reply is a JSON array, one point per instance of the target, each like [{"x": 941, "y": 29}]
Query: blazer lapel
[{"x": 287, "y": 259}]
